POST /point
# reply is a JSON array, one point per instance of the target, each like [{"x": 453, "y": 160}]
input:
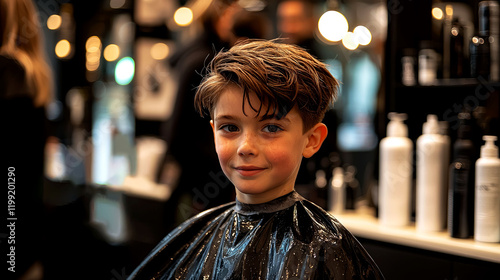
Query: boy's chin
[
  {"x": 249, "y": 191},
  {"x": 258, "y": 194}
]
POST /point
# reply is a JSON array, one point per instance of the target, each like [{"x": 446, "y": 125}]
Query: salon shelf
[
  {"x": 452, "y": 83},
  {"x": 367, "y": 226}
]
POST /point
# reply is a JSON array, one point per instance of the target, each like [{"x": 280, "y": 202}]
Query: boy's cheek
[
  {"x": 283, "y": 152},
  {"x": 285, "y": 161},
  {"x": 278, "y": 156},
  {"x": 222, "y": 150}
]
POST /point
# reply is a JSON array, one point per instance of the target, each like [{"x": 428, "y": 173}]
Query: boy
[{"x": 266, "y": 101}]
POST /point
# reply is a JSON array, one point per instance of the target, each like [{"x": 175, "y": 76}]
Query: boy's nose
[{"x": 247, "y": 145}]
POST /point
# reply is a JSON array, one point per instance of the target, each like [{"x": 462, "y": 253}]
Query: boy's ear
[{"x": 315, "y": 137}]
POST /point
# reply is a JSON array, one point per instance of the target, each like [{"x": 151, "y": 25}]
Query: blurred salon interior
[{"x": 110, "y": 154}]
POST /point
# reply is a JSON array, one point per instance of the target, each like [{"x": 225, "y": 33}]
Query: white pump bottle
[
  {"x": 395, "y": 173},
  {"x": 431, "y": 190},
  {"x": 487, "y": 194}
]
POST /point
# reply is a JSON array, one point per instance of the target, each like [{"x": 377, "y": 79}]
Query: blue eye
[
  {"x": 229, "y": 128},
  {"x": 272, "y": 128}
]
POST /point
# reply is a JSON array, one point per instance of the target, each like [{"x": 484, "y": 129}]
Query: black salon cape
[{"x": 286, "y": 238}]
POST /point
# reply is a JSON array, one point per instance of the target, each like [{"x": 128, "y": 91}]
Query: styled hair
[
  {"x": 282, "y": 76},
  {"x": 21, "y": 39}
]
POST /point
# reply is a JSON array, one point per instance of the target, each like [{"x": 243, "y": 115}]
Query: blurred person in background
[
  {"x": 201, "y": 183},
  {"x": 297, "y": 22},
  {"x": 25, "y": 91},
  {"x": 250, "y": 25}
]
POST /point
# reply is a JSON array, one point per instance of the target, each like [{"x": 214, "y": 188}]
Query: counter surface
[{"x": 367, "y": 226}]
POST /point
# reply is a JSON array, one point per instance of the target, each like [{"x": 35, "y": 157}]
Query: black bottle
[
  {"x": 457, "y": 60},
  {"x": 461, "y": 189},
  {"x": 351, "y": 188},
  {"x": 484, "y": 47}
]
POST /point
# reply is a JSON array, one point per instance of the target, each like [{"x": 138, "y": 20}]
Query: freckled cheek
[
  {"x": 274, "y": 155},
  {"x": 281, "y": 157},
  {"x": 224, "y": 152}
]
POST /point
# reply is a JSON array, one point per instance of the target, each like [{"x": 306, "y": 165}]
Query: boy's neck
[{"x": 262, "y": 197}]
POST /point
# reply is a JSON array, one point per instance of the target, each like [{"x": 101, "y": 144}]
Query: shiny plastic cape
[{"x": 287, "y": 238}]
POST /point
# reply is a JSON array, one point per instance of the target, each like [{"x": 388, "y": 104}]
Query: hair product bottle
[
  {"x": 453, "y": 45},
  {"x": 320, "y": 193},
  {"x": 461, "y": 190},
  {"x": 409, "y": 67},
  {"x": 484, "y": 47},
  {"x": 444, "y": 131},
  {"x": 337, "y": 194},
  {"x": 395, "y": 173},
  {"x": 487, "y": 202},
  {"x": 431, "y": 190},
  {"x": 351, "y": 187},
  {"x": 458, "y": 64},
  {"x": 427, "y": 64}
]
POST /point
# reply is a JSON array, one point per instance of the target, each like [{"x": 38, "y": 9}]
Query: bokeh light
[
  {"x": 159, "y": 51},
  {"x": 93, "y": 54},
  {"x": 54, "y": 22},
  {"x": 350, "y": 41},
  {"x": 124, "y": 71},
  {"x": 333, "y": 26},
  {"x": 92, "y": 63},
  {"x": 93, "y": 44},
  {"x": 363, "y": 35},
  {"x": 437, "y": 13},
  {"x": 183, "y": 16},
  {"x": 116, "y": 4},
  {"x": 111, "y": 52},
  {"x": 63, "y": 48}
]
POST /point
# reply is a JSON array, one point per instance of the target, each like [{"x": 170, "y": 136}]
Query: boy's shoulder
[
  {"x": 201, "y": 220},
  {"x": 310, "y": 217},
  {"x": 179, "y": 240},
  {"x": 296, "y": 235},
  {"x": 313, "y": 224}
]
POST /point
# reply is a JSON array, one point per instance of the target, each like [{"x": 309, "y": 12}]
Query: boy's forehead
[
  {"x": 229, "y": 105},
  {"x": 231, "y": 101}
]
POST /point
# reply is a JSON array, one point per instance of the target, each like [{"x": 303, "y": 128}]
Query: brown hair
[
  {"x": 21, "y": 39},
  {"x": 281, "y": 75}
]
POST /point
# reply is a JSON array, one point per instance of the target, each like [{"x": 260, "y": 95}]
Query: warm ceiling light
[
  {"x": 183, "y": 16},
  {"x": 54, "y": 22},
  {"x": 333, "y": 26},
  {"x": 93, "y": 44},
  {"x": 111, "y": 52},
  {"x": 363, "y": 35},
  {"x": 159, "y": 51},
  {"x": 350, "y": 41},
  {"x": 63, "y": 48},
  {"x": 437, "y": 13}
]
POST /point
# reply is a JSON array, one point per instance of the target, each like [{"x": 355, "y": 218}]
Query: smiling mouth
[{"x": 249, "y": 170}]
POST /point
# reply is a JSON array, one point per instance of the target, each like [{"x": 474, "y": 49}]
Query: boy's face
[{"x": 261, "y": 157}]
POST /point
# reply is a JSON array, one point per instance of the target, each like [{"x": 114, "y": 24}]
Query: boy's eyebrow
[
  {"x": 224, "y": 117},
  {"x": 269, "y": 117},
  {"x": 264, "y": 118}
]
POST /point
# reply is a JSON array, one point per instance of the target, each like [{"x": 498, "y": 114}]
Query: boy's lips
[{"x": 249, "y": 170}]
